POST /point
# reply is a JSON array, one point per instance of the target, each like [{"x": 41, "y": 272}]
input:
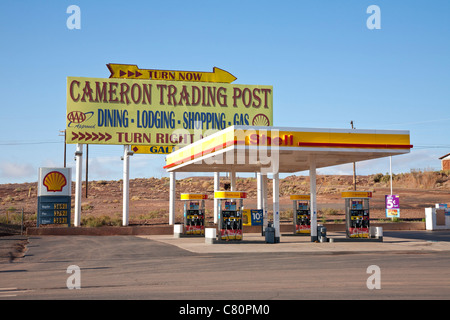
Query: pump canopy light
[{"x": 274, "y": 150}]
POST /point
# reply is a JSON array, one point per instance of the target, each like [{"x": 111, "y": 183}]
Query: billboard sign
[
  {"x": 155, "y": 112},
  {"x": 131, "y": 71}
]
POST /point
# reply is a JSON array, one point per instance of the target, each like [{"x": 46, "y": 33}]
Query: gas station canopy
[
  {"x": 281, "y": 150},
  {"x": 285, "y": 149}
]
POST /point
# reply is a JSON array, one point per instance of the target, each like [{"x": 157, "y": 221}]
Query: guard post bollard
[
  {"x": 177, "y": 230},
  {"x": 210, "y": 235}
]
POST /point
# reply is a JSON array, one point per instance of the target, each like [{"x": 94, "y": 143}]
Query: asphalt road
[{"x": 128, "y": 267}]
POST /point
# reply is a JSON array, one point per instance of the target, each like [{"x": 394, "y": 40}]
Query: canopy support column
[
  {"x": 216, "y": 201},
  {"x": 313, "y": 204},
  {"x": 264, "y": 201},
  {"x": 233, "y": 180},
  {"x": 259, "y": 194},
  {"x": 172, "y": 193},
  {"x": 276, "y": 206}
]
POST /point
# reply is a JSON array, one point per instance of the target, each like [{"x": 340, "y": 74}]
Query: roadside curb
[
  {"x": 101, "y": 231},
  {"x": 168, "y": 229}
]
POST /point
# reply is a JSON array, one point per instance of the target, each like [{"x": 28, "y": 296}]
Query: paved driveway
[{"x": 128, "y": 267}]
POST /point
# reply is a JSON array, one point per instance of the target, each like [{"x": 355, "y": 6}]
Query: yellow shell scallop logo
[
  {"x": 260, "y": 120},
  {"x": 54, "y": 181}
]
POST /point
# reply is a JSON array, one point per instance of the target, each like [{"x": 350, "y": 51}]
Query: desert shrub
[
  {"x": 91, "y": 221},
  {"x": 377, "y": 177},
  {"x": 423, "y": 179},
  {"x": 387, "y": 178},
  {"x": 158, "y": 213},
  {"x": 286, "y": 214},
  {"x": 331, "y": 211},
  {"x": 86, "y": 206}
]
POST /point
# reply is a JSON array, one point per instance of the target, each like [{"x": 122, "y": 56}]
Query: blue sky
[{"x": 326, "y": 68}]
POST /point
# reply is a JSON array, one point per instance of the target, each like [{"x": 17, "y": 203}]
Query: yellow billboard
[
  {"x": 157, "y": 112},
  {"x": 131, "y": 71}
]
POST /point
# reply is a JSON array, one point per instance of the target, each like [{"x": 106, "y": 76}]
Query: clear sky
[{"x": 325, "y": 65}]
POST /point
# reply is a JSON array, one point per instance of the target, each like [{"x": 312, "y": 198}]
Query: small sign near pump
[
  {"x": 252, "y": 217},
  {"x": 392, "y": 206}
]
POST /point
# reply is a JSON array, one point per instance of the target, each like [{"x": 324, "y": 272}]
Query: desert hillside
[{"x": 149, "y": 197}]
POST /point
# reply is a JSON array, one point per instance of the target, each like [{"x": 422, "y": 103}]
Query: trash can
[
  {"x": 322, "y": 234},
  {"x": 270, "y": 234}
]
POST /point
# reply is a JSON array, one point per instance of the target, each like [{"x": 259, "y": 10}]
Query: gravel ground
[{"x": 12, "y": 247}]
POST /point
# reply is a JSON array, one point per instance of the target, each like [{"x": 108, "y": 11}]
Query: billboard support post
[
  {"x": 126, "y": 184},
  {"x": 78, "y": 182}
]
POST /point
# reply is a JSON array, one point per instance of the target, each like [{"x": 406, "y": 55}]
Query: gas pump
[
  {"x": 357, "y": 215},
  {"x": 194, "y": 213},
  {"x": 230, "y": 214},
  {"x": 302, "y": 213}
]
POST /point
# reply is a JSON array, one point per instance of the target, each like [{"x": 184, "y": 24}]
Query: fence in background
[{"x": 14, "y": 221}]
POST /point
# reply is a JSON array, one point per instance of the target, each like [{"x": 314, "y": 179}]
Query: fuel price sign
[{"x": 54, "y": 196}]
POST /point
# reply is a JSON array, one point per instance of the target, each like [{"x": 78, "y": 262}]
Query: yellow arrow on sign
[{"x": 131, "y": 71}]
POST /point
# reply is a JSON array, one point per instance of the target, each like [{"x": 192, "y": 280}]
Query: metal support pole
[
  {"x": 259, "y": 194},
  {"x": 233, "y": 180},
  {"x": 65, "y": 149},
  {"x": 79, "y": 168},
  {"x": 87, "y": 169},
  {"x": 276, "y": 206},
  {"x": 172, "y": 193},
  {"x": 65, "y": 145},
  {"x": 313, "y": 204},
  {"x": 216, "y": 201},
  {"x": 264, "y": 202},
  {"x": 390, "y": 170},
  {"x": 126, "y": 185},
  {"x": 354, "y": 166}
]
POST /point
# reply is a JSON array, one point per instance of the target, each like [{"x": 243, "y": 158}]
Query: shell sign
[{"x": 54, "y": 182}]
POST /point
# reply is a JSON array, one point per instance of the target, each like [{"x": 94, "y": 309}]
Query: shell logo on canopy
[{"x": 54, "y": 181}]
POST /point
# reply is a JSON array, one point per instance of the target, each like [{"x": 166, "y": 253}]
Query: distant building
[{"x": 445, "y": 162}]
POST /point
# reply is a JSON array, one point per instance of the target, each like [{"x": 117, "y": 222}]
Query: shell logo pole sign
[{"x": 54, "y": 196}]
